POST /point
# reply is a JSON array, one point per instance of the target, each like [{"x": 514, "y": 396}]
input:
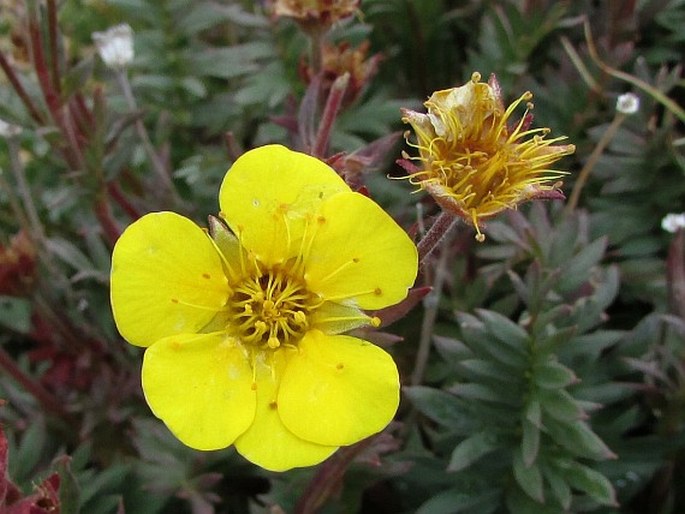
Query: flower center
[{"x": 270, "y": 308}]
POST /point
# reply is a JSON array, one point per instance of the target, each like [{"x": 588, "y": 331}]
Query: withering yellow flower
[
  {"x": 474, "y": 161},
  {"x": 339, "y": 59},
  {"x": 315, "y": 12},
  {"x": 243, "y": 327}
]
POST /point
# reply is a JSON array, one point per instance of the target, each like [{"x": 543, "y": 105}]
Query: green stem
[
  {"x": 153, "y": 156},
  {"x": 432, "y": 303}
]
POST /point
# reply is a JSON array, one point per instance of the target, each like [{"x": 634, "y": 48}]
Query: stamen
[
  {"x": 176, "y": 301},
  {"x": 377, "y": 291},
  {"x": 354, "y": 260}
]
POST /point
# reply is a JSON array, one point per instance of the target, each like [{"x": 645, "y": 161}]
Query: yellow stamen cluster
[
  {"x": 472, "y": 161},
  {"x": 271, "y": 307}
]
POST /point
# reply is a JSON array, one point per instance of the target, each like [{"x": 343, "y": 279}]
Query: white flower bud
[
  {"x": 628, "y": 103},
  {"x": 8, "y": 130},
  {"x": 673, "y": 222},
  {"x": 115, "y": 45}
]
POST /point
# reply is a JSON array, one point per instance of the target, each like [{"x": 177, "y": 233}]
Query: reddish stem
[
  {"x": 103, "y": 212},
  {"x": 71, "y": 151},
  {"x": 328, "y": 478},
  {"x": 435, "y": 234},
  {"x": 54, "y": 54},
  {"x": 44, "y": 397},
  {"x": 330, "y": 112},
  {"x": 120, "y": 198},
  {"x": 25, "y": 98},
  {"x": 83, "y": 108},
  {"x": 82, "y": 124}
]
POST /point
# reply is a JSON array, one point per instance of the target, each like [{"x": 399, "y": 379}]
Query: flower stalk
[
  {"x": 330, "y": 112},
  {"x": 157, "y": 165},
  {"x": 440, "y": 228},
  {"x": 326, "y": 482}
]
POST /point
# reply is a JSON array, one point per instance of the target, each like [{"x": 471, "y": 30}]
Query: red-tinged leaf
[
  {"x": 391, "y": 314},
  {"x": 407, "y": 166}
]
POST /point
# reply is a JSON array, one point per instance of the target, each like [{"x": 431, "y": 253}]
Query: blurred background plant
[{"x": 543, "y": 372}]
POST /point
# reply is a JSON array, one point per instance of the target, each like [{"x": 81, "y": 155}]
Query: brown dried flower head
[
  {"x": 315, "y": 12},
  {"x": 473, "y": 162},
  {"x": 340, "y": 59}
]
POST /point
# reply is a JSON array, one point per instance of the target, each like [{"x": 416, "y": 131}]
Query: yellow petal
[
  {"x": 267, "y": 442},
  {"x": 337, "y": 390},
  {"x": 201, "y": 386},
  {"x": 359, "y": 254},
  {"x": 269, "y": 194},
  {"x": 166, "y": 279}
]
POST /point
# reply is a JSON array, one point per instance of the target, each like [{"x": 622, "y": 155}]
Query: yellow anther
[
  {"x": 376, "y": 322},
  {"x": 273, "y": 343}
]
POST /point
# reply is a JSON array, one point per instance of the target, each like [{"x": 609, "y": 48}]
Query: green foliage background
[{"x": 555, "y": 380}]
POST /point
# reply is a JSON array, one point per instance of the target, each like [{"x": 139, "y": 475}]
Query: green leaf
[
  {"x": 577, "y": 270},
  {"x": 68, "y": 253},
  {"x": 551, "y": 343},
  {"x": 560, "y": 488},
  {"x": 454, "y": 501},
  {"x": 452, "y": 350},
  {"x": 530, "y": 442},
  {"x": 529, "y": 478},
  {"x": 505, "y": 330},
  {"x": 485, "y": 393},
  {"x": 69, "y": 491},
  {"x": 485, "y": 345},
  {"x": 578, "y": 438},
  {"x": 29, "y": 452},
  {"x": 472, "y": 449},
  {"x": 441, "y": 407},
  {"x": 560, "y": 405},
  {"x": 15, "y": 314},
  {"x": 533, "y": 412},
  {"x": 593, "y": 344},
  {"x": 553, "y": 375},
  {"x": 592, "y": 483},
  {"x": 229, "y": 62},
  {"x": 482, "y": 370}
]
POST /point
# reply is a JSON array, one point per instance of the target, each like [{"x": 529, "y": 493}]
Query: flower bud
[{"x": 115, "y": 45}]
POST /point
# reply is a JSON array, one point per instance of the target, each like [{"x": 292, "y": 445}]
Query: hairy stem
[{"x": 440, "y": 228}]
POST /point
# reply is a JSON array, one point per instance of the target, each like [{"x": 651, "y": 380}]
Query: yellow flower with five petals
[{"x": 243, "y": 330}]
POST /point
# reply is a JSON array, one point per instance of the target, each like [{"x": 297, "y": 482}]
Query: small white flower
[
  {"x": 628, "y": 103},
  {"x": 115, "y": 45},
  {"x": 8, "y": 130},
  {"x": 673, "y": 222}
]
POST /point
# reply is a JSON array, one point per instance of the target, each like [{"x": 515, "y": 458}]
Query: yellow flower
[
  {"x": 243, "y": 329},
  {"x": 473, "y": 162}
]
